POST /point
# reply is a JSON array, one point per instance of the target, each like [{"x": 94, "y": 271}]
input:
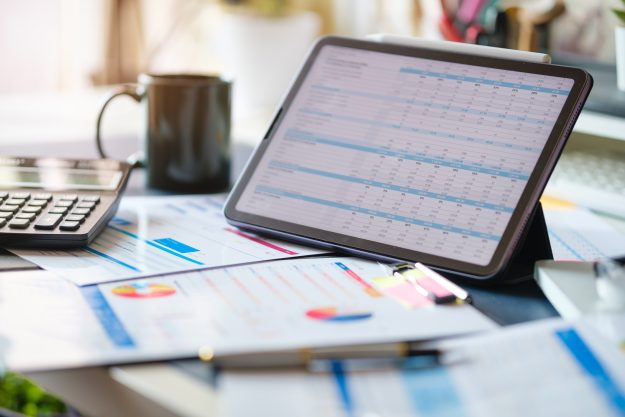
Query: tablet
[{"x": 401, "y": 153}]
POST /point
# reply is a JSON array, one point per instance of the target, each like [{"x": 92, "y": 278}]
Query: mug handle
[{"x": 131, "y": 90}]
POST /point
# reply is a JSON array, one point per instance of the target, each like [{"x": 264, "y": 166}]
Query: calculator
[{"x": 57, "y": 203}]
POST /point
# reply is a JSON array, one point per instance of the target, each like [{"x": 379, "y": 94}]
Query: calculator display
[{"x": 59, "y": 178}]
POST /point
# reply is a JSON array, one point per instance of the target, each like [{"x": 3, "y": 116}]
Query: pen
[{"x": 367, "y": 356}]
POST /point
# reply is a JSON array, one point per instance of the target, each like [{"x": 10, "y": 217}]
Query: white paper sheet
[
  {"x": 155, "y": 235},
  {"x": 577, "y": 234},
  {"x": 550, "y": 369},
  {"x": 275, "y": 305}
]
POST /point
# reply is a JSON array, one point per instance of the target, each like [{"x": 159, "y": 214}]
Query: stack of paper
[
  {"x": 547, "y": 369},
  {"x": 139, "y": 302},
  {"x": 276, "y": 305},
  {"x": 160, "y": 235},
  {"x": 169, "y": 277}
]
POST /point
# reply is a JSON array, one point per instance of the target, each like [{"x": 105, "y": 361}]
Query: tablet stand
[
  {"x": 533, "y": 246},
  {"x": 534, "y": 243}
]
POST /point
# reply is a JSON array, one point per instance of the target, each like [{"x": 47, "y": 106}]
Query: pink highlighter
[{"x": 430, "y": 284}]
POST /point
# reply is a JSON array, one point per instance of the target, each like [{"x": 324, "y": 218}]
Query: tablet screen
[{"x": 426, "y": 155}]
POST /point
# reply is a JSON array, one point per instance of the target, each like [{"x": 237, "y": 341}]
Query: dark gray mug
[{"x": 186, "y": 130}]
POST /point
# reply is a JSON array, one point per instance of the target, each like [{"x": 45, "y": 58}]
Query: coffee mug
[{"x": 186, "y": 131}]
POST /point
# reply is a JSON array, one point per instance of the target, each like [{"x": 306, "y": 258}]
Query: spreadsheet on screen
[{"x": 422, "y": 154}]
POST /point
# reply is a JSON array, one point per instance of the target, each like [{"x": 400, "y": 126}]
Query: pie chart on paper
[
  {"x": 335, "y": 314},
  {"x": 144, "y": 290}
]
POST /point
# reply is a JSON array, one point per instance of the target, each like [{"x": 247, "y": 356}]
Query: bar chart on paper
[{"x": 155, "y": 235}]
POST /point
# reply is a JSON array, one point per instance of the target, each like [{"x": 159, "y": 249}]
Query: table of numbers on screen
[{"x": 426, "y": 155}]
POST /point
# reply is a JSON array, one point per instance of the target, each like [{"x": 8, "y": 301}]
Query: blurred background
[
  {"x": 74, "y": 49},
  {"x": 74, "y": 45}
]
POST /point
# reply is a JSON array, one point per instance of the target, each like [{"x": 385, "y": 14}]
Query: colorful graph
[
  {"x": 368, "y": 288},
  {"x": 143, "y": 290},
  {"x": 337, "y": 314}
]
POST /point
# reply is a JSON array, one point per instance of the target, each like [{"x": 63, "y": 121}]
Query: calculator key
[
  {"x": 19, "y": 223},
  {"x": 69, "y": 197},
  {"x": 10, "y": 208},
  {"x": 69, "y": 226},
  {"x": 91, "y": 198},
  {"x": 81, "y": 211},
  {"x": 48, "y": 222},
  {"x": 6, "y": 214},
  {"x": 28, "y": 216},
  {"x": 3, "y": 222},
  {"x": 64, "y": 203},
  {"x": 75, "y": 218},
  {"x": 31, "y": 209},
  {"x": 38, "y": 203},
  {"x": 42, "y": 196},
  {"x": 86, "y": 205},
  {"x": 15, "y": 201},
  {"x": 4, "y": 194},
  {"x": 58, "y": 210},
  {"x": 21, "y": 196}
]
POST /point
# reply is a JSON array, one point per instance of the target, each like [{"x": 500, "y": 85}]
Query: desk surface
[
  {"x": 122, "y": 390},
  {"x": 186, "y": 382}
]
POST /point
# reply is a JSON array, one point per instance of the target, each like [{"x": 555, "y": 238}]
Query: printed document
[
  {"x": 284, "y": 304},
  {"x": 156, "y": 235},
  {"x": 577, "y": 234},
  {"x": 549, "y": 369}
]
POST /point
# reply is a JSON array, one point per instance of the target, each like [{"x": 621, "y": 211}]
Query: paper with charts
[
  {"x": 274, "y": 305},
  {"x": 155, "y": 235},
  {"x": 549, "y": 369},
  {"x": 577, "y": 234}
]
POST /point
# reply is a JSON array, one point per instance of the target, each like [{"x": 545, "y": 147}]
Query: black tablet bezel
[{"x": 527, "y": 202}]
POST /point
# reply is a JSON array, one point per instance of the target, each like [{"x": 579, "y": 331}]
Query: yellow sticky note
[
  {"x": 555, "y": 203},
  {"x": 388, "y": 281}
]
